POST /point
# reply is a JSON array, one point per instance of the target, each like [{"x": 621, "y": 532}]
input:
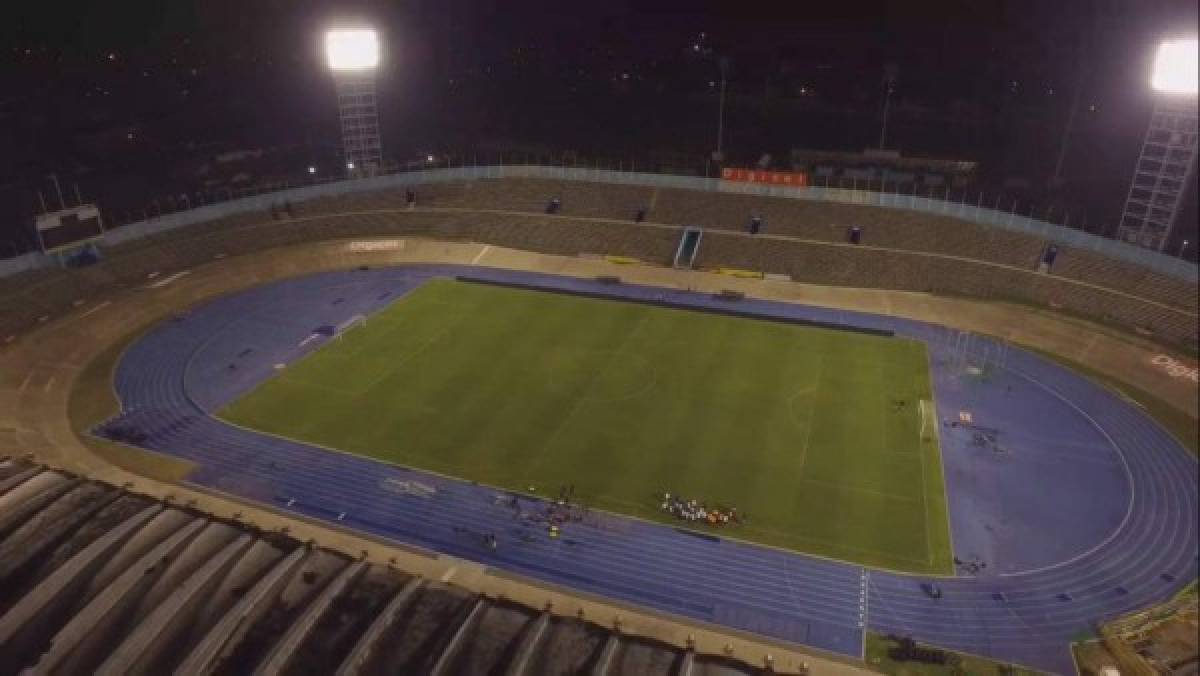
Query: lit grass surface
[{"x": 796, "y": 426}]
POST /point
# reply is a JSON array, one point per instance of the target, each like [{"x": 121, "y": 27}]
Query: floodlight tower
[
  {"x": 1169, "y": 150},
  {"x": 353, "y": 56}
]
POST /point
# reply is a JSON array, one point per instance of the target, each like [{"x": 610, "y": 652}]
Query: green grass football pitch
[{"x": 798, "y": 427}]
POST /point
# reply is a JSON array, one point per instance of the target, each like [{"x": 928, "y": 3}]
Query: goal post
[{"x": 351, "y": 323}]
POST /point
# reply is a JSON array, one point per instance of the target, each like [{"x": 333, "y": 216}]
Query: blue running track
[{"x": 1088, "y": 511}]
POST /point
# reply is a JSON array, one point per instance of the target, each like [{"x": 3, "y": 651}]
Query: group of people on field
[{"x": 696, "y": 511}]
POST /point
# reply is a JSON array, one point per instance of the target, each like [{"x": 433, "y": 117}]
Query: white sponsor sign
[
  {"x": 415, "y": 488},
  {"x": 1176, "y": 368},
  {"x": 376, "y": 245}
]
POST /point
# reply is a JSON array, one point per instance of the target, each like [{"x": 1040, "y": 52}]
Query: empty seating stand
[{"x": 901, "y": 249}]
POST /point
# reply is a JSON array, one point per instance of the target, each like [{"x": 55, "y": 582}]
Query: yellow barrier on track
[{"x": 745, "y": 274}]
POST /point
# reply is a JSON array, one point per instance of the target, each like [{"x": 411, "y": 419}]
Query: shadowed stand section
[
  {"x": 238, "y": 620},
  {"x": 367, "y": 644},
  {"x": 142, "y": 646},
  {"x": 285, "y": 650},
  {"x": 450, "y": 653},
  {"x": 529, "y": 645},
  {"x": 27, "y": 616},
  {"x": 606, "y": 658},
  {"x": 78, "y": 640}
]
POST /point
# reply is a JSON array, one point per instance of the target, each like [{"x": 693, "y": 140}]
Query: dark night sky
[{"x": 132, "y": 98}]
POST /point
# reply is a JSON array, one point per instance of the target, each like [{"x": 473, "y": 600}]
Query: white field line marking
[
  {"x": 48, "y": 385},
  {"x": 924, "y": 417},
  {"x": 308, "y": 340},
  {"x": 937, "y": 434},
  {"x": 816, "y": 388},
  {"x": 479, "y": 256},
  {"x": 95, "y": 309},
  {"x": 405, "y": 359},
  {"x": 856, "y": 489},
  {"x": 167, "y": 280},
  {"x": 925, "y": 504},
  {"x": 582, "y": 398},
  {"x": 25, "y": 383}
]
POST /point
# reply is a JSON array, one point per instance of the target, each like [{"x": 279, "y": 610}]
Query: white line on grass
[
  {"x": 816, "y": 388},
  {"x": 924, "y": 500},
  {"x": 937, "y": 434},
  {"x": 582, "y": 399},
  {"x": 402, "y": 361},
  {"x": 856, "y": 489}
]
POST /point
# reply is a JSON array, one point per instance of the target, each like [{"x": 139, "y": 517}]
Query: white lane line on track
[
  {"x": 479, "y": 256},
  {"x": 308, "y": 340},
  {"x": 449, "y": 574},
  {"x": 48, "y": 385},
  {"x": 25, "y": 383},
  {"x": 1124, "y": 465}
]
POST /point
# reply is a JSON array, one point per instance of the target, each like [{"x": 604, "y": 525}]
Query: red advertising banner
[{"x": 792, "y": 178}]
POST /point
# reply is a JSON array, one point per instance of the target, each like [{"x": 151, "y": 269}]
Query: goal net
[
  {"x": 353, "y": 322},
  {"x": 977, "y": 356}
]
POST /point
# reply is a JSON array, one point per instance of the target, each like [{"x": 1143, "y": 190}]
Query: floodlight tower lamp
[
  {"x": 1175, "y": 67},
  {"x": 352, "y": 50},
  {"x": 1169, "y": 151},
  {"x": 353, "y": 56}
]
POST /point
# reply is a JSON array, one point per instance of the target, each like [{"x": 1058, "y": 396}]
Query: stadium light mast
[
  {"x": 719, "y": 155},
  {"x": 353, "y": 57},
  {"x": 1169, "y": 149}
]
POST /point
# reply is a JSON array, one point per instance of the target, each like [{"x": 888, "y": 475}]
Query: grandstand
[{"x": 804, "y": 239}]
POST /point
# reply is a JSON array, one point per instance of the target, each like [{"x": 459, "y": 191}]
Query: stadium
[
  {"x": 445, "y": 375},
  {"x": 513, "y": 412}
]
